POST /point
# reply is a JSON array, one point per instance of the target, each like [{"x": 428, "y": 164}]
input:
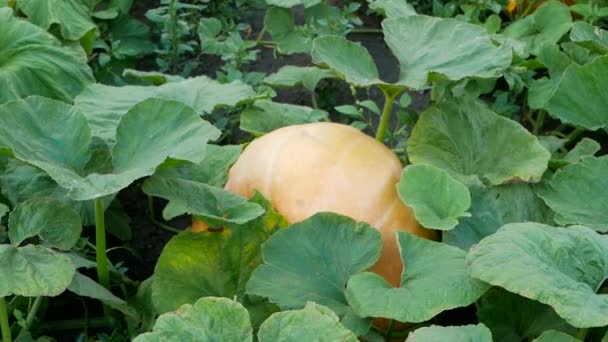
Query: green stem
[
  {"x": 389, "y": 330},
  {"x": 151, "y": 211},
  {"x": 31, "y": 315},
  {"x": 103, "y": 274},
  {"x": 538, "y": 124},
  {"x": 173, "y": 32},
  {"x": 367, "y": 30},
  {"x": 6, "y": 329},
  {"x": 167, "y": 227},
  {"x": 582, "y": 334},
  {"x": 260, "y": 36},
  {"x": 313, "y": 97},
  {"x": 267, "y": 42},
  {"x": 575, "y": 134},
  {"x": 389, "y": 98}
]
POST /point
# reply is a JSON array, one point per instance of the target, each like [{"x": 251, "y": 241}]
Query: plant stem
[
  {"x": 367, "y": 30},
  {"x": 103, "y": 274},
  {"x": 582, "y": 334},
  {"x": 173, "y": 32},
  {"x": 313, "y": 98},
  {"x": 260, "y": 36},
  {"x": 575, "y": 134},
  {"x": 389, "y": 98},
  {"x": 167, "y": 227},
  {"x": 31, "y": 315},
  {"x": 151, "y": 207},
  {"x": 6, "y": 329},
  {"x": 538, "y": 124}
]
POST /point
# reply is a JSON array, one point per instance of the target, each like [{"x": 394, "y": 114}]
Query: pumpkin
[{"x": 317, "y": 167}]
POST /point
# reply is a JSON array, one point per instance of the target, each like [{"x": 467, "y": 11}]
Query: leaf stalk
[
  {"x": 4, "y": 326},
  {"x": 103, "y": 274}
]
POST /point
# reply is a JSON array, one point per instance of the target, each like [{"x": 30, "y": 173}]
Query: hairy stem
[
  {"x": 151, "y": 211},
  {"x": 260, "y": 36},
  {"x": 103, "y": 274},
  {"x": 313, "y": 98},
  {"x": 31, "y": 315},
  {"x": 538, "y": 124},
  {"x": 389, "y": 98},
  {"x": 6, "y": 329}
]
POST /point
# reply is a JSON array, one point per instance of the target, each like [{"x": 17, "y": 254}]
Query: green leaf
[
  {"x": 57, "y": 140},
  {"x": 559, "y": 267},
  {"x": 105, "y": 105},
  {"x": 589, "y": 36},
  {"x": 545, "y": 26},
  {"x": 267, "y": 116},
  {"x": 349, "y": 60},
  {"x": 392, "y": 9},
  {"x": 154, "y": 77},
  {"x": 500, "y": 151},
  {"x": 216, "y": 205},
  {"x": 493, "y": 207},
  {"x": 291, "y": 76},
  {"x": 459, "y": 49},
  {"x": 312, "y": 323},
  {"x": 209, "y": 319},
  {"x": 438, "y": 200},
  {"x": 583, "y": 149},
  {"x": 555, "y": 336},
  {"x": 576, "y": 193},
  {"x": 292, "y": 3},
  {"x": 72, "y": 16},
  {"x": 213, "y": 170},
  {"x": 312, "y": 261},
  {"x": 52, "y": 220},
  {"x": 3, "y": 210},
  {"x": 130, "y": 38},
  {"x": 464, "y": 333},
  {"x": 578, "y": 98},
  {"x": 435, "y": 279},
  {"x": 280, "y": 24},
  {"x": 33, "y": 271},
  {"x": 33, "y": 62},
  {"x": 211, "y": 263},
  {"x": 87, "y": 287},
  {"x": 514, "y": 318}
]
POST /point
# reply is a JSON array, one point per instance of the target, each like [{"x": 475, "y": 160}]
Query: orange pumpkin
[{"x": 311, "y": 168}]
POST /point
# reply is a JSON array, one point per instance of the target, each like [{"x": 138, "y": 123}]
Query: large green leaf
[
  {"x": 589, "y": 36},
  {"x": 555, "y": 336},
  {"x": 312, "y": 261},
  {"x": 56, "y": 138},
  {"x": 465, "y": 137},
  {"x": 434, "y": 279},
  {"x": 105, "y": 105},
  {"x": 458, "y": 49},
  {"x": 438, "y": 200},
  {"x": 72, "y": 16},
  {"x": 209, "y": 319},
  {"x": 493, "y": 207},
  {"x": 215, "y": 205},
  {"x": 291, "y": 75},
  {"x": 562, "y": 268},
  {"x": 350, "y": 60},
  {"x": 464, "y": 333},
  {"x": 33, "y": 271},
  {"x": 578, "y": 98},
  {"x": 312, "y": 323},
  {"x": 576, "y": 193},
  {"x": 267, "y": 116},
  {"x": 52, "y": 220},
  {"x": 545, "y": 26},
  {"x": 514, "y": 318},
  {"x": 130, "y": 37},
  {"x": 211, "y": 263},
  {"x": 33, "y": 62}
]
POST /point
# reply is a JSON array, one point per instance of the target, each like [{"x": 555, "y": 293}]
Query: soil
[{"x": 148, "y": 238}]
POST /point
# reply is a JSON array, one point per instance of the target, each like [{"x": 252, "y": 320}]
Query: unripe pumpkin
[{"x": 317, "y": 167}]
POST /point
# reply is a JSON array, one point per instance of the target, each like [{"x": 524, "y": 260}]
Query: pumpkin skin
[{"x": 317, "y": 167}]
